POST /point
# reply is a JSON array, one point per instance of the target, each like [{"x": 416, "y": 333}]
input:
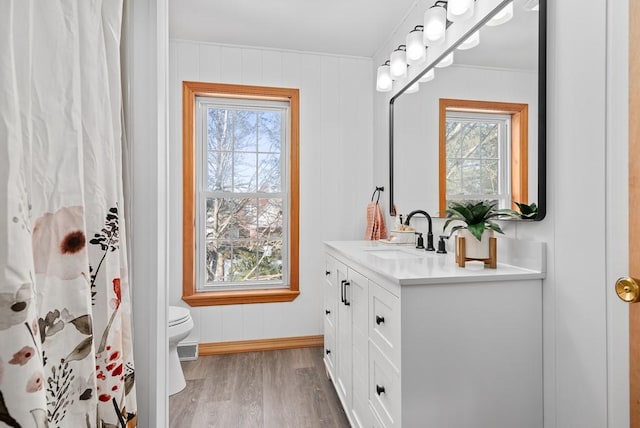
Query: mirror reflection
[{"x": 472, "y": 132}]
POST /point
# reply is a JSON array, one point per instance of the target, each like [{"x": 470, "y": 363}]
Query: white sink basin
[{"x": 393, "y": 254}]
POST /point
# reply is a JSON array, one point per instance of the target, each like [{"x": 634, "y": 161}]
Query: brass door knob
[{"x": 628, "y": 289}]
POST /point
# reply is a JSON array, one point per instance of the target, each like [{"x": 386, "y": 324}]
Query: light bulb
[
  {"x": 435, "y": 25},
  {"x": 413, "y": 88},
  {"x": 428, "y": 76},
  {"x": 471, "y": 42},
  {"x": 531, "y": 6},
  {"x": 384, "y": 81},
  {"x": 459, "y": 10},
  {"x": 416, "y": 52},
  {"x": 398, "y": 63},
  {"x": 446, "y": 61},
  {"x": 503, "y": 16}
]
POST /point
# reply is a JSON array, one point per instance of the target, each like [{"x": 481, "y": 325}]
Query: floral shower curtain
[{"x": 66, "y": 356}]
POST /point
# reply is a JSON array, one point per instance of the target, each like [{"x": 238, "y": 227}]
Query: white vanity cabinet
[
  {"x": 423, "y": 343},
  {"x": 346, "y": 290}
]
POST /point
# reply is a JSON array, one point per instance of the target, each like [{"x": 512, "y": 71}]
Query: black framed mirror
[{"x": 507, "y": 69}]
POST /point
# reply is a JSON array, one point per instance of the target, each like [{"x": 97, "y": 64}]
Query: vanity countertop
[{"x": 406, "y": 265}]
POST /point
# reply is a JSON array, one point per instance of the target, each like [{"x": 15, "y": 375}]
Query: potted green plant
[
  {"x": 527, "y": 211},
  {"x": 478, "y": 218}
]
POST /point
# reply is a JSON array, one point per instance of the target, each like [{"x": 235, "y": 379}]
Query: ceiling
[{"x": 345, "y": 27}]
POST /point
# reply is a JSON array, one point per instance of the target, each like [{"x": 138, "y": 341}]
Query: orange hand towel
[{"x": 376, "y": 227}]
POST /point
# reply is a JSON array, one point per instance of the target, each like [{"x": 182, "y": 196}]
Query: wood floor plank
[
  {"x": 184, "y": 405},
  {"x": 271, "y": 389}
]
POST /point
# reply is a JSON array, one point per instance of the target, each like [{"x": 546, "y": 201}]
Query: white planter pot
[{"x": 475, "y": 249}]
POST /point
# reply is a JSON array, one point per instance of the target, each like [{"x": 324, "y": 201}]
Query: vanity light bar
[{"x": 436, "y": 20}]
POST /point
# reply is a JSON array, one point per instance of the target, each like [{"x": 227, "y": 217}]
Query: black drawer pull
[
  {"x": 342, "y": 283},
  {"x": 327, "y": 311},
  {"x": 346, "y": 302},
  {"x": 380, "y": 390},
  {"x": 379, "y": 319},
  {"x": 328, "y": 351}
]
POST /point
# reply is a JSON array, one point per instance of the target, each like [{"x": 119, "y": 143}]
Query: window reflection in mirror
[{"x": 483, "y": 152}]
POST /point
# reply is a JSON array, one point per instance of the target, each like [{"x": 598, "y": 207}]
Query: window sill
[{"x": 240, "y": 297}]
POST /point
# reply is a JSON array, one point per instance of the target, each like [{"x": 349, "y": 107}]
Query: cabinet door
[
  {"x": 357, "y": 293},
  {"x": 344, "y": 338},
  {"x": 330, "y": 317}
]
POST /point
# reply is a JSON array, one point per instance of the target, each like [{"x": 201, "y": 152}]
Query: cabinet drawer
[
  {"x": 330, "y": 311},
  {"x": 384, "y": 389},
  {"x": 329, "y": 352},
  {"x": 384, "y": 322}
]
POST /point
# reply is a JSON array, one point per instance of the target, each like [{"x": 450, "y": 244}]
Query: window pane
[
  {"x": 269, "y": 173},
  {"x": 245, "y": 131},
  {"x": 490, "y": 177},
  {"x": 270, "y": 131},
  {"x": 229, "y": 218},
  {"x": 244, "y": 172},
  {"x": 219, "y": 128},
  {"x": 489, "y": 149},
  {"x": 245, "y": 219},
  {"x": 270, "y": 219},
  {"x": 219, "y": 167},
  {"x": 471, "y": 177},
  {"x": 454, "y": 177},
  {"x": 270, "y": 261},
  {"x": 244, "y": 261},
  {"x": 218, "y": 260}
]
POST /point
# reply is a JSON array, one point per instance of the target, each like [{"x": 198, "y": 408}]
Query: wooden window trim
[
  {"x": 519, "y": 143},
  {"x": 191, "y": 90}
]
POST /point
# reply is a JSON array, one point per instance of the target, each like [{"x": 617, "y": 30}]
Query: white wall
[
  {"x": 576, "y": 288},
  {"x": 336, "y": 102}
]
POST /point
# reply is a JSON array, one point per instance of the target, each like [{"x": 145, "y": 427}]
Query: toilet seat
[{"x": 178, "y": 315}]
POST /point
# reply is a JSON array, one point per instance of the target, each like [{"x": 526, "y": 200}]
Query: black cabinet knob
[
  {"x": 379, "y": 319},
  {"x": 328, "y": 351},
  {"x": 327, "y": 272},
  {"x": 327, "y": 311},
  {"x": 380, "y": 390}
]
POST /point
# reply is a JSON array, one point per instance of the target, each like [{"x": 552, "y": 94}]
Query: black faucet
[{"x": 429, "y": 233}]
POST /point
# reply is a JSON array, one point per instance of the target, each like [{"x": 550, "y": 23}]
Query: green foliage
[
  {"x": 477, "y": 216},
  {"x": 527, "y": 211}
]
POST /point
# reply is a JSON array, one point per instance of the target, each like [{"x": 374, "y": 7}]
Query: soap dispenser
[{"x": 420, "y": 241}]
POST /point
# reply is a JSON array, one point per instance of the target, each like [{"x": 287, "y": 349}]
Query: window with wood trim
[
  {"x": 483, "y": 152},
  {"x": 240, "y": 200}
]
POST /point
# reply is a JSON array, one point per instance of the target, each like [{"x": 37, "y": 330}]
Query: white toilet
[{"x": 180, "y": 325}]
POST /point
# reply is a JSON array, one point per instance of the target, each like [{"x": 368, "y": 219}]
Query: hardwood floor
[{"x": 287, "y": 388}]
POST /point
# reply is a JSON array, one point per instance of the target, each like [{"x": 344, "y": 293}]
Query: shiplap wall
[{"x": 336, "y": 113}]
